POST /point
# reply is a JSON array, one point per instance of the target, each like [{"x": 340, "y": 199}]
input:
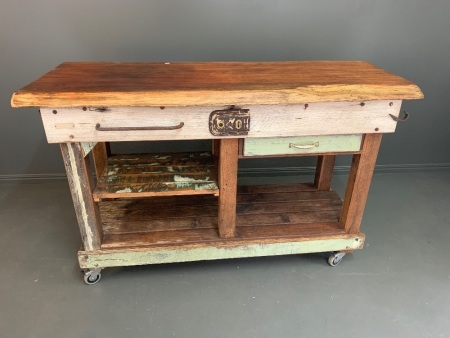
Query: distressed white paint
[
  {"x": 78, "y": 192},
  {"x": 87, "y": 147},
  {"x": 124, "y": 190},
  {"x": 211, "y": 251},
  {"x": 323, "y": 118}
]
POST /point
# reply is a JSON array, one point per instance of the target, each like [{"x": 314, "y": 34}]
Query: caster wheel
[
  {"x": 92, "y": 276},
  {"x": 335, "y": 258}
]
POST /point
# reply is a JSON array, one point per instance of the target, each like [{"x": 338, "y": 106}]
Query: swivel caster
[
  {"x": 335, "y": 258},
  {"x": 92, "y": 276}
]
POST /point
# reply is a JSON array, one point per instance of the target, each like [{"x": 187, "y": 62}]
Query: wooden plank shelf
[
  {"x": 169, "y": 174},
  {"x": 263, "y": 212},
  {"x": 271, "y": 220}
]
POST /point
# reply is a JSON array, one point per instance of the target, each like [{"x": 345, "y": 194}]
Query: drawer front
[
  {"x": 301, "y": 145},
  {"x": 90, "y": 124},
  {"x": 118, "y": 124}
]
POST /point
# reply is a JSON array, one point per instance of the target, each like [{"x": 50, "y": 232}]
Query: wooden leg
[
  {"x": 100, "y": 156},
  {"x": 324, "y": 172},
  {"x": 80, "y": 182},
  {"x": 228, "y": 165},
  {"x": 215, "y": 147},
  {"x": 358, "y": 183}
]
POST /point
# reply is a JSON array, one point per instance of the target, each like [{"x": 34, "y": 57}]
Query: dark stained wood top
[{"x": 212, "y": 83}]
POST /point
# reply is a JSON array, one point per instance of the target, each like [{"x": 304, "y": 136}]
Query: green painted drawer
[{"x": 301, "y": 145}]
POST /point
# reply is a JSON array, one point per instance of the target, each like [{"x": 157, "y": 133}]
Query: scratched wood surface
[
  {"x": 269, "y": 120},
  {"x": 140, "y": 175},
  {"x": 73, "y": 84},
  {"x": 281, "y": 212}
]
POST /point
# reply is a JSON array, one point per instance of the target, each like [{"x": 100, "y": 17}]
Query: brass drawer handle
[
  {"x": 304, "y": 146},
  {"x": 100, "y": 128}
]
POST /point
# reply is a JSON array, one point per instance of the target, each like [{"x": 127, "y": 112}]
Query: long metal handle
[
  {"x": 304, "y": 146},
  {"x": 100, "y": 128}
]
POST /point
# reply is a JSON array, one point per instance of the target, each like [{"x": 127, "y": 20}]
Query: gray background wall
[{"x": 407, "y": 37}]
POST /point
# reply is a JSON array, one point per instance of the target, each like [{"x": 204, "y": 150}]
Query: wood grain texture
[
  {"x": 74, "y": 84},
  {"x": 283, "y": 212},
  {"x": 100, "y": 157},
  {"x": 80, "y": 183},
  {"x": 324, "y": 118},
  {"x": 358, "y": 183},
  {"x": 228, "y": 167},
  {"x": 188, "y": 252},
  {"x": 324, "y": 172},
  {"x": 145, "y": 175}
]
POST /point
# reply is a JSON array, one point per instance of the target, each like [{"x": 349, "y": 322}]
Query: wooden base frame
[
  {"x": 242, "y": 222},
  {"x": 231, "y": 249}
]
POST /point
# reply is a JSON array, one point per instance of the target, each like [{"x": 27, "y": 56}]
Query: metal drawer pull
[
  {"x": 100, "y": 128},
  {"x": 304, "y": 146}
]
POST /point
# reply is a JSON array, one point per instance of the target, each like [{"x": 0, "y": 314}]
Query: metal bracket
[
  {"x": 229, "y": 122},
  {"x": 400, "y": 119}
]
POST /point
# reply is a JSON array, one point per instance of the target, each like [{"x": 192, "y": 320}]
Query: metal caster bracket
[
  {"x": 92, "y": 276},
  {"x": 335, "y": 258}
]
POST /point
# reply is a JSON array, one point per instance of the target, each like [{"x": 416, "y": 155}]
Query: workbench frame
[
  {"x": 247, "y": 109},
  {"x": 92, "y": 256}
]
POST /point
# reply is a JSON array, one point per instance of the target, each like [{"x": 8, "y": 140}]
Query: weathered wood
[
  {"x": 162, "y": 159},
  {"x": 218, "y": 250},
  {"x": 324, "y": 172},
  {"x": 100, "y": 156},
  {"x": 87, "y": 147},
  {"x": 275, "y": 188},
  {"x": 215, "y": 147},
  {"x": 103, "y": 102},
  {"x": 221, "y": 83},
  {"x": 145, "y": 175},
  {"x": 80, "y": 182},
  {"x": 189, "y": 221},
  {"x": 321, "y": 118},
  {"x": 228, "y": 166},
  {"x": 209, "y": 235},
  {"x": 173, "y": 216},
  {"x": 358, "y": 183},
  {"x": 283, "y": 196},
  {"x": 301, "y": 145}
]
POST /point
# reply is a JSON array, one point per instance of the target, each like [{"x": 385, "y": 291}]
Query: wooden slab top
[{"x": 75, "y": 84}]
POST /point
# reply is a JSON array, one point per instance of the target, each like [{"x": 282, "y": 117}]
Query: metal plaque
[{"x": 229, "y": 122}]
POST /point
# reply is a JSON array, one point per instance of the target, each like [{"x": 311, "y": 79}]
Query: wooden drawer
[
  {"x": 102, "y": 124},
  {"x": 301, "y": 145}
]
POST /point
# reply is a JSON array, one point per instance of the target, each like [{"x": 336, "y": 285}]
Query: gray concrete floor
[{"x": 398, "y": 286}]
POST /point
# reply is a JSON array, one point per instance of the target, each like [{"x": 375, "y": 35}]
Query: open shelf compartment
[
  {"x": 282, "y": 211},
  {"x": 271, "y": 220},
  {"x": 168, "y": 174}
]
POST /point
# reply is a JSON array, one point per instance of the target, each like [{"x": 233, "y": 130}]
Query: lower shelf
[
  {"x": 262, "y": 212},
  {"x": 271, "y": 220}
]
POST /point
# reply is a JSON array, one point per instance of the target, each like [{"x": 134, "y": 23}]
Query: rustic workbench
[{"x": 175, "y": 207}]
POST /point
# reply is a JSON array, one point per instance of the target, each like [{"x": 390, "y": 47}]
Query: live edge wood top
[{"x": 75, "y": 84}]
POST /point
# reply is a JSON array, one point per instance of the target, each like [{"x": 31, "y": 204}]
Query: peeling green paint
[{"x": 231, "y": 249}]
